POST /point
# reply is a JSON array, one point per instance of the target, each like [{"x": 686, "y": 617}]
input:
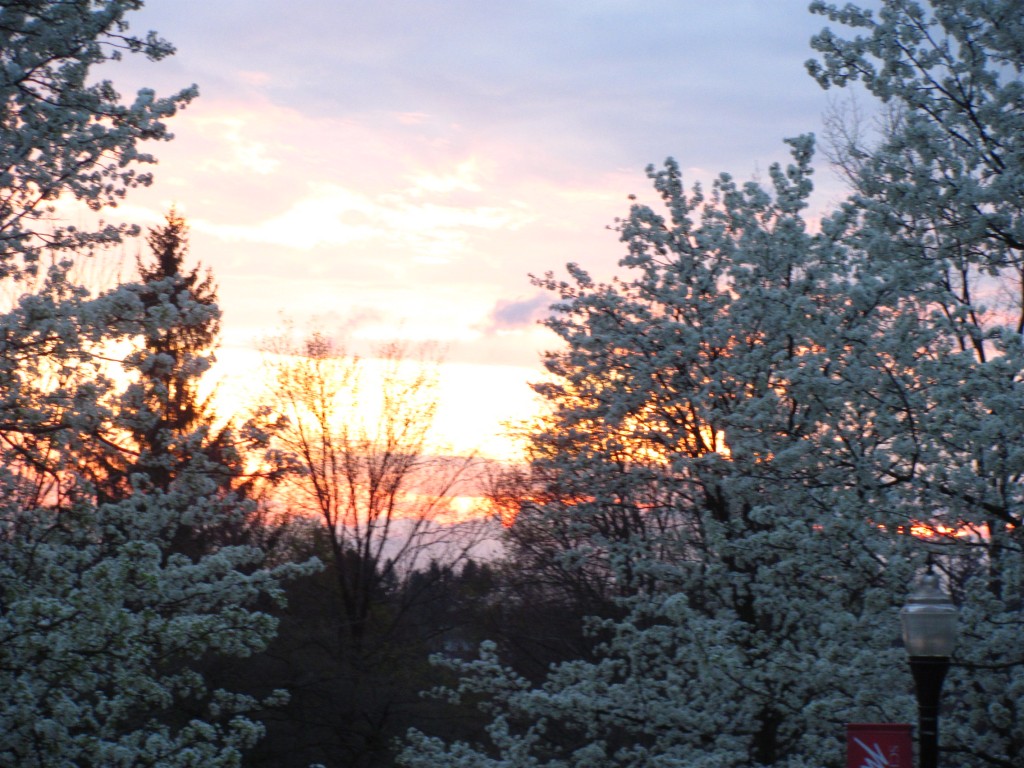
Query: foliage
[
  {"x": 746, "y": 429},
  {"x": 160, "y": 419},
  {"x": 66, "y": 134},
  {"x": 105, "y": 624},
  {"x": 177, "y": 350},
  {"x": 102, "y": 631},
  {"x": 937, "y": 220},
  {"x": 698, "y": 460}
]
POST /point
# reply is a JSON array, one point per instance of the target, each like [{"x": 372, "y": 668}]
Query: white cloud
[
  {"x": 239, "y": 151},
  {"x": 463, "y": 178},
  {"x": 331, "y": 214}
]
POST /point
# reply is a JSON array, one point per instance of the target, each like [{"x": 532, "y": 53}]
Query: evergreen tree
[
  {"x": 162, "y": 420},
  {"x": 105, "y": 625},
  {"x": 177, "y": 350}
]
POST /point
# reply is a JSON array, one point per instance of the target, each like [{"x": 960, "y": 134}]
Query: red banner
[{"x": 879, "y": 745}]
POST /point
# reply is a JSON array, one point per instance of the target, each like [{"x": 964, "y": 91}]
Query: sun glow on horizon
[{"x": 474, "y": 401}]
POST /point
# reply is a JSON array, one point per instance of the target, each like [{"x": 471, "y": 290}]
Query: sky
[{"x": 399, "y": 168}]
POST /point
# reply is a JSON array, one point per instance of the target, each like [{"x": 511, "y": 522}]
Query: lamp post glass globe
[{"x": 929, "y": 620}]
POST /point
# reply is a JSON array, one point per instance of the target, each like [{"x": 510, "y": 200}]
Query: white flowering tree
[
  {"x": 936, "y": 220},
  {"x": 103, "y": 632},
  {"x": 699, "y": 456},
  {"x": 104, "y": 622},
  {"x": 747, "y": 428},
  {"x": 67, "y": 134}
]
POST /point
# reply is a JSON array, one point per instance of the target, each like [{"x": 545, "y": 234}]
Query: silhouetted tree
[
  {"x": 162, "y": 420},
  {"x": 103, "y": 624},
  {"x": 377, "y": 504}
]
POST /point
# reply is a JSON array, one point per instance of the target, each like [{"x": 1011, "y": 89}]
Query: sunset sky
[{"x": 398, "y": 168}]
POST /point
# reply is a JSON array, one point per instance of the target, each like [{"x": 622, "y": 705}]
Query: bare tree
[
  {"x": 362, "y": 432},
  {"x": 391, "y": 526}
]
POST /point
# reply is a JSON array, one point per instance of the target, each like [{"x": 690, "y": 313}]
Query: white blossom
[{"x": 752, "y": 428}]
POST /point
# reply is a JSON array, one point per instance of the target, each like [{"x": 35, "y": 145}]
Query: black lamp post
[{"x": 929, "y": 634}]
